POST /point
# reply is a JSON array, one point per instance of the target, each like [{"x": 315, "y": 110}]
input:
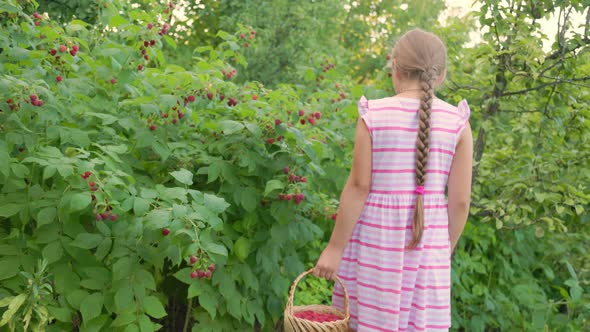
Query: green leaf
[
  {"x": 154, "y": 307},
  {"x": 80, "y": 201},
  {"x": 124, "y": 297},
  {"x": 87, "y": 240},
  {"x": 132, "y": 328},
  {"x": 10, "y": 267},
  {"x": 229, "y": 126},
  {"x": 208, "y": 300},
  {"x": 215, "y": 204},
  {"x": 91, "y": 306},
  {"x": 215, "y": 248},
  {"x": 140, "y": 206},
  {"x": 53, "y": 252},
  {"x": 117, "y": 20},
  {"x": 194, "y": 289},
  {"x": 273, "y": 185},
  {"x": 10, "y": 209},
  {"x": 49, "y": 172},
  {"x": 122, "y": 268},
  {"x": 157, "y": 219},
  {"x": 103, "y": 248},
  {"x": 184, "y": 275},
  {"x": 170, "y": 41},
  {"x": 46, "y": 216},
  {"x": 249, "y": 199},
  {"x": 4, "y": 159},
  {"x": 61, "y": 314},
  {"x": 242, "y": 248},
  {"x": 13, "y": 307},
  {"x": 124, "y": 318},
  {"x": 146, "y": 279},
  {"x": 183, "y": 176},
  {"x": 145, "y": 324}
]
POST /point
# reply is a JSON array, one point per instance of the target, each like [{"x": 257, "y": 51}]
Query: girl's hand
[{"x": 327, "y": 265}]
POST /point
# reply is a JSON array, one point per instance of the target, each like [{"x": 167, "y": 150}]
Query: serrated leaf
[
  {"x": 157, "y": 219},
  {"x": 10, "y": 209},
  {"x": 208, "y": 300},
  {"x": 183, "y": 176},
  {"x": 273, "y": 185},
  {"x": 184, "y": 275},
  {"x": 124, "y": 298},
  {"x": 91, "y": 306},
  {"x": 242, "y": 248},
  {"x": 61, "y": 314},
  {"x": 52, "y": 252},
  {"x": 154, "y": 307},
  {"x": 122, "y": 268},
  {"x": 215, "y": 248},
  {"x": 215, "y": 204},
  {"x": 124, "y": 318},
  {"x": 46, "y": 216},
  {"x": 194, "y": 289},
  {"x": 229, "y": 126},
  {"x": 80, "y": 201},
  {"x": 140, "y": 206},
  {"x": 87, "y": 240},
  {"x": 15, "y": 303}
]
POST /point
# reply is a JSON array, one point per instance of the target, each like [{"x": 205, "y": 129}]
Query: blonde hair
[{"x": 422, "y": 56}]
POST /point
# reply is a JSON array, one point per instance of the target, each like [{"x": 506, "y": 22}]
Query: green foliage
[
  {"x": 203, "y": 178},
  {"x": 129, "y": 168}
]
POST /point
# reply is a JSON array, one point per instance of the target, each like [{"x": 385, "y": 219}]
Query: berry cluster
[
  {"x": 299, "y": 197},
  {"x": 168, "y": 8},
  {"x": 107, "y": 214},
  {"x": 201, "y": 272},
  {"x": 311, "y": 118},
  {"x": 35, "y": 101},
  {"x": 232, "y": 102},
  {"x": 297, "y": 179},
  {"x": 252, "y": 35},
  {"x": 317, "y": 316},
  {"x": 38, "y": 18},
  {"x": 327, "y": 67},
  {"x": 145, "y": 46},
  {"x": 229, "y": 74}
]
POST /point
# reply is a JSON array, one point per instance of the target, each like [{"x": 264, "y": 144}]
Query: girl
[{"x": 395, "y": 230}]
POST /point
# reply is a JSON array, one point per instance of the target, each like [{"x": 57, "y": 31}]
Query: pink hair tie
[{"x": 420, "y": 190}]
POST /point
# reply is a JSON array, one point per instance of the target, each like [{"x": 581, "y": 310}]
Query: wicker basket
[{"x": 295, "y": 324}]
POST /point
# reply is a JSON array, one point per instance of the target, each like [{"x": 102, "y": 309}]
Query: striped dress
[{"x": 390, "y": 288}]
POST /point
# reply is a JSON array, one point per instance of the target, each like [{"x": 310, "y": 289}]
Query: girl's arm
[
  {"x": 352, "y": 201},
  {"x": 459, "y": 185}
]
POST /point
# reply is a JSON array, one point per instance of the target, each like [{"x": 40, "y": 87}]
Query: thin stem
[{"x": 188, "y": 314}]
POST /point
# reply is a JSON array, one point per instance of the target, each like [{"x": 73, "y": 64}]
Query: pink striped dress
[{"x": 391, "y": 288}]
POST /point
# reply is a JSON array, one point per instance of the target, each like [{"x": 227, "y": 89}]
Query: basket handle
[{"x": 292, "y": 293}]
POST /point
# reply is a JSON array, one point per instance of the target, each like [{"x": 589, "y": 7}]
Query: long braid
[{"x": 427, "y": 82}]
